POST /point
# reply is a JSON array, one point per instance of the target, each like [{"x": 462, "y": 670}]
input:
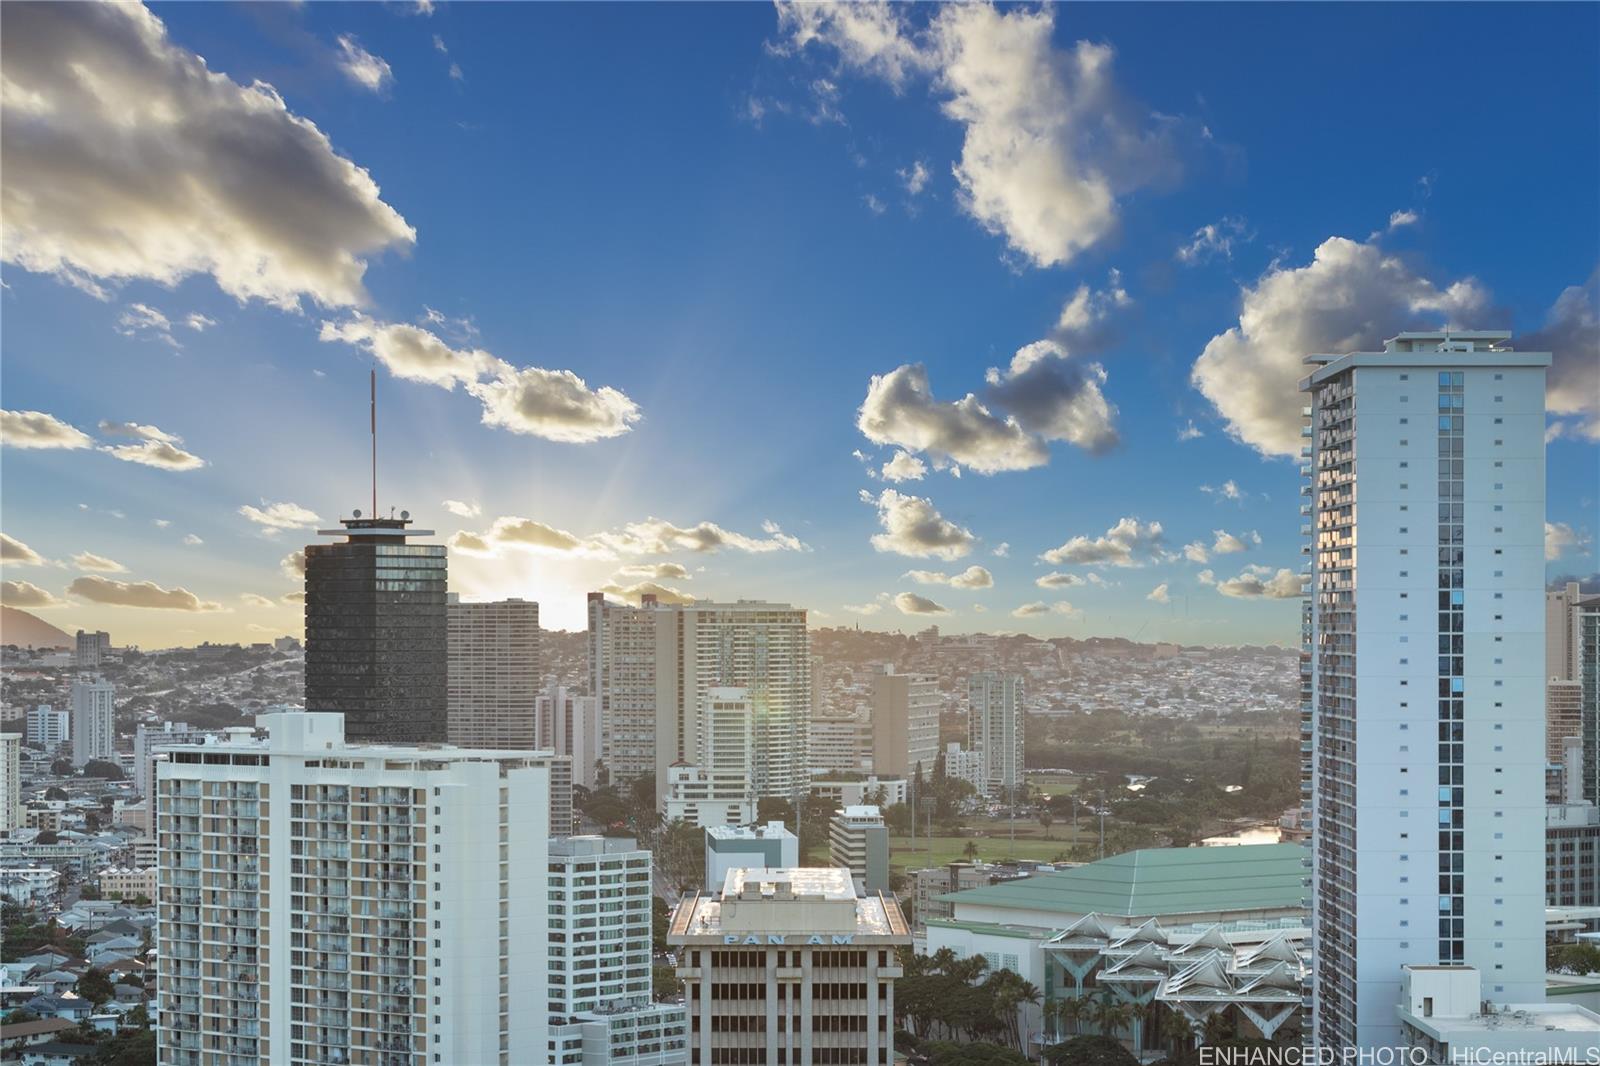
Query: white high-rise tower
[
  {"x": 995, "y": 730},
  {"x": 1426, "y": 710}
]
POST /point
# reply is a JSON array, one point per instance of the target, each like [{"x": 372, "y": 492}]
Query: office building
[
  {"x": 858, "y": 841},
  {"x": 151, "y": 742},
  {"x": 126, "y": 882},
  {"x": 1572, "y": 838},
  {"x": 494, "y": 674},
  {"x": 376, "y": 631},
  {"x": 789, "y": 966},
  {"x": 90, "y": 649},
  {"x": 94, "y": 732},
  {"x": 569, "y": 724},
  {"x": 1563, "y": 718},
  {"x": 995, "y": 730},
  {"x": 730, "y": 847},
  {"x": 652, "y": 665},
  {"x": 716, "y": 788},
  {"x": 1429, "y": 793},
  {"x": 964, "y": 765},
  {"x": 10, "y": 782},
  {"x": 839, "y": 744},
  {"x": 600, "y": 957},
  {"x": 408, "y": 906},
  {"x": 49, "y": 727},
  {"x": 853, "y": 790},
  {"x": 1587, "y": 625},
  {"x": 561, "y": 806},
  {"x": 1561, "y": 636},
  {"x": 905, "y": 723},
  {"x": 1445, "y": 1019}
]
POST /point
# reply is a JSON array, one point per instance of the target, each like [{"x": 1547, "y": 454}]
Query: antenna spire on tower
[{"x": 374, "y": 382}]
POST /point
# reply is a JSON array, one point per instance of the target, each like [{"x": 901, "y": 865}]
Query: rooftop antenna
[{"x": 374, "y": 382}]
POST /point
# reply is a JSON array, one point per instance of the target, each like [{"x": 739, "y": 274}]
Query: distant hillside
[{"x": 29, "y": 631}]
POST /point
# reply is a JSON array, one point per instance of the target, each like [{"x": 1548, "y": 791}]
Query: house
[
  {"x": 116, "y": 945},
  {"x": 27, "y": 1034},
  {"x": 56, "y": 1053},
  {"x": 68, "y": 1006}
]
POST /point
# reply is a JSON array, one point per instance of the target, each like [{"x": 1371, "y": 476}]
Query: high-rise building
[
  {"x": 1561, "y": 642},
  {"x": 839, "y": 744},
  {"x": 569, "y": 724},
  {"x": 1427, "y": 758},
  {"x": 90, "y": 649},
  {"x": 715, "y": 788},
  {"x": 1563, "y": 716},
  {"x": 995, "y": 730},
  {"x": 731, "y": 846},
  {"x": 600, "y": 952},
  {"x": 376, "y": 644},
  {"x": 1586, "y": 624},
  {"x": 408, "y": 914},
  {"x": 859, "y": 841},
  {"x": 905, "y": 723},
  {"x": 789, "y": 966},
  {"x": 94, "y": 733},
  {"x": 651, "y": 666},
  {"x": 49, "y": 727},
  {"x": 10, "y": 781},
  {"x": 494, "y": 673},
  {"x": 150, "y": 745}
]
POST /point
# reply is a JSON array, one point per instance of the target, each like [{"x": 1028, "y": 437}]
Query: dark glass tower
[{"x": 376, "y": 631}]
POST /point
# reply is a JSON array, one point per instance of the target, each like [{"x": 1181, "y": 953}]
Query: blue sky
[{"x": 727, "y": 220}]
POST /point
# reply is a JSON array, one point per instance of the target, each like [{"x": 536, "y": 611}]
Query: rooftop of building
[
  {"x": 1159, "y": 881},
  {"x": 770, "y": 831},
  {"x": 316, "y": 733},
  {"x": 821, "y": 889}
]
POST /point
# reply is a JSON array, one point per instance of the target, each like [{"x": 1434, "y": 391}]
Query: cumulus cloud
[
  {"x": 293, "y": 598},
  {"x": 1001, "y": 550},
  {"x": 27, "y": 595},
  {"x": 1559, "y": 537},
  {"x": 1083, "y": 324},
  {"x": 915, "y": 177},
  {"x": 1051, "y": 394},
  {"x": 255, "y": 599},
  {"x": 1215, "y": 240},
  {"x": 1057, "y": 580},
  {"x": 276, "y": 516},
  {"x": 656, "y": 571},
  {"x": 904, "y": 466},
  {"x": 900, "y": 410},
  {"x": 126, "y": 157},
  {"x": 411, "y": 352},
  {"x": 293, "y": 565},
  {"x": 142, "y": 318},
  {"x": 1039, "y": 607},
  {"x": 1349, "y": 297},
  {"x": 1228, "y": 543},
  {"x": 1159, "y": 594},
  {"x": 1189, "y": 432},
  {"x": 913, "y": 526},
  {"x": 911, "y": 603},
  {"x": 362, "y": 67},
  {"x": 91, "y": 561},
  {"x": 463, "y": 509},
  {"x": 869, "y": 608},
  {"x": 653, "y": 536},
  {"x": 1257, "y": 582},
  {"x": 868, "y": 37},
  {"x": 635, "y": 593},
  {"x": 973, "y": 577},
  {"x": 1196, "y": 552},
  {"x": 35, "y": 429},
  {"x": 1571, "y": 333},
  {"x": 198, "y": 322},
  {"x": 154, "y": 447},
  {"x": 192, "y": 539},
  {"x": 138, "y": 594},
  {"x": 1128, "y": 543},
  {"x": 1228, "y": 490},
  {"x": 16, "y": 553}
]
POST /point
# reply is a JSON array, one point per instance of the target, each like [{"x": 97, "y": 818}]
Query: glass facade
[
  {"x": 1452, "y": 671},
  {"x": 376, "y": 637}
]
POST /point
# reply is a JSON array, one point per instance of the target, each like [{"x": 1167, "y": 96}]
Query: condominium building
[
  {"x": 1561, "y": 638},
  {"x": 321, "y": 902},
  {"x": 494, "y": 674},
  {"x": 600, "y": 957},
  {"x": 48, "y": 727},
  {"x": 94, "y": 733},
  {"x": 376, "y": 644},
  {"x": 859, "y": 842},
  {"x": 995, "y": 730},
  {"x": 123, "y": 882},
  {"x": 10, "y": 782},
  {"x": 964, "y": 765},
  {"x": 569, "y": 724},
  {"x": 839, "y": 744},
  {"x": 716, "y": 787},
  {"x": 905, "y": 723},
  {"x": 789, "y": 966},
  {"x": 1427, "y": 740},
  {"x": 622, "y": 676},
  {"x": 90, "y": 649},
  {"x": 731, "y": 846},
  {"x": 1563, "y": 718},
  {"x": 151, "y": 743},
  {"x": 1587, "y": 625}
]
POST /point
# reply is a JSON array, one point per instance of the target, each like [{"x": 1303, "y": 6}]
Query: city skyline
[{"x": 705, "y": 326}]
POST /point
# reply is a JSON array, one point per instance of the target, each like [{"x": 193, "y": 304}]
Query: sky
[{"x": 988, "y": 318}]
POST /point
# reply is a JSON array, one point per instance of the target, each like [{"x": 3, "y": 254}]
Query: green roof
[{"x": 1159, "y": 881}]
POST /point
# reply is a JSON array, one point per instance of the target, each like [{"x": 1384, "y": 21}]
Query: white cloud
[
  {"x": 362, "y": 67},
  {"x": 293, "y": 565},
  {"x": 653, "y": 536},
  {"x": 276, "y": 516},
  {"x": 869, "y": 37},
  {"x": 1049, "y": 393},
  {"x": 904, "y": 466},
  {"x": 192, "y": 540},
  {"x": 900, "y": 410},
  {"x": 145, "y": 594},
  {"x": 875, "y": 205},
  {"x": 1257, "y": 582},
  {"x": 1404, "y": 217},
  {"x": 255, "y": 599},
  {"x": 656, "y": 571},
  {"x": 35, "y": 429},
  {"x": 915, "y": 177},
  {"x": 913, "y": 527},
  {"x": 1001, "y": 550},
  {"x": 1125, "y": 544},
  {"x": 1229, "y": 544},
  {"x": 155, "y": 447},
  {"x": 198, "y": 322},
  {"x": 26, "y": 595},
  {"x": 1190, "y": 432},
  {"x": 1057, "y": 580},
  {"x": 1559, "y": 536},
  {"x": 1159, "y": 594},
  {"x": 553, "y": 404},
  {"x": 463, "y": 509},
  {"x": 1350, "y": 297},
  {"x": 911, "y": 603},
  {"x": 973, "y": 577},
  {"x": 869, "y": 608},
  {"x": 1571, "y": 334},
  {"x": 1215, "y": 240},
  {"x": 1228, "y": 490},
  {"x": 635, "y": 593},
  {"x": 99, "y": 563},
  {"x": 1039, "y": 607},
  {"x": 156, "y": 167},
  {"x": 1196, "y": 552},
  {"x": 161, "y": 523},
  {"x": 16, "y": 553},
  {"x": 142, "y": 318}
]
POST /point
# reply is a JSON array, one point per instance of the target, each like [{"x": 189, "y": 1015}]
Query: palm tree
[
  {"x": 942, "y": 960},
  {"x": 1046, "y": 820},
  {"x": 1218, "y": 1027},
  {"x": 971, "y": 851},
  {"x": 1175, "y": 1028},
  {"x": 1111, "y": 1015},
  {"x": 1073, "y": 1011}
]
